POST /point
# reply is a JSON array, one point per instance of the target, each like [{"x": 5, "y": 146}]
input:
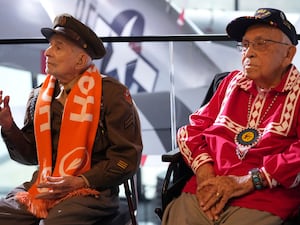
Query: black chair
[
  {"x": 178, "y": 173},
  {"x": 128, "y": 206}
]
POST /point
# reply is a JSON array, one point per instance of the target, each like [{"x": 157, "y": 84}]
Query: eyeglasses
[{"x": 259, "y": 45}]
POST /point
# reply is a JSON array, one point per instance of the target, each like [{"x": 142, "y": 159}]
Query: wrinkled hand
[
  {"x": 59, "y": 187},
  {"x": 201, "y": 194},
  {"x": 6, "y": 119},
  {"x": 214, "y": 193},
  {"x": 204, "y": 172}
]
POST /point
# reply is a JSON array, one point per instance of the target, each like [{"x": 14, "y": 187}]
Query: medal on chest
[
  {"x": 248, "y": 137},
  {"x": 244, "y": 140}
]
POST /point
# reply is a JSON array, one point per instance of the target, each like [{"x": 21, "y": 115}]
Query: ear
[
  {"x": 82, "y": 61},
  {"x": 291, "y": 53},
  {"x": 288, "y": 56}
]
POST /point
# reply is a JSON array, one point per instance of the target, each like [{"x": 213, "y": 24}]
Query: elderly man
[
  {"x": 244, "y": 145},
  {"x": 81, "y": 128}
]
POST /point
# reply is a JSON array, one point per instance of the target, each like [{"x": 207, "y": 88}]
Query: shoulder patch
[
  {"x": 123, "y": 165},
  {"x": 127, "y": 96}
]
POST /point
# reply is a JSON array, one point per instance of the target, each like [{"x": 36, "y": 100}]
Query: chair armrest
[
  {"x": 176, "y": 176},
  {"x": 172, "y": 156}
]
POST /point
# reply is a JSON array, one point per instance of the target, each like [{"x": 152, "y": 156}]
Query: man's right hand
[
  {"x": 6, "y": 119},
  {"x": 203, "y": 173}
]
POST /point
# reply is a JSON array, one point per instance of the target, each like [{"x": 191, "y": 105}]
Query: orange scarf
[{"x": 79, "y": 121}]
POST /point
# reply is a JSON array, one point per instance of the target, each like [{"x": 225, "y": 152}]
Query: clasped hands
[
  {"x": 59, "y": 187},
  {"x": 214, "y": 193}
]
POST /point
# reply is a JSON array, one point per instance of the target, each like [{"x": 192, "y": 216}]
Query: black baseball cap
[{"x": 273, "y": 17}]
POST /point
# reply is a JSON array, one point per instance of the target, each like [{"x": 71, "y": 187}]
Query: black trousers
[{"x": 79, "y": 210}]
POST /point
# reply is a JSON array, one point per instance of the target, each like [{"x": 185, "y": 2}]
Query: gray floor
[
  {"x": 146, "y": 206},
  {"x": 146, "y": 214}
]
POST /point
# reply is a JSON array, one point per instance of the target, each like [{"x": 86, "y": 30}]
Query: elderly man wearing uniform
[
  {"x": 81, "y": 129},
  {"x": 244, "y": 145}
]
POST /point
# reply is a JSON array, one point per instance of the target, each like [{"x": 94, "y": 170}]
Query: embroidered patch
[
  {"x": 122, "y": 164},
  {"x": 128, "y": 122},
  {"x": 127, "y": 96},
  {"x": 262, "y": 13}
]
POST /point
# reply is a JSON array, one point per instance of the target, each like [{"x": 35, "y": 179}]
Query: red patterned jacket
[{"x": 210, "y": 137}]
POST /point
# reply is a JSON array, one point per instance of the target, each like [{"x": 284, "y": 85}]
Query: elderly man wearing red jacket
[{"x": 244, "y": 145}]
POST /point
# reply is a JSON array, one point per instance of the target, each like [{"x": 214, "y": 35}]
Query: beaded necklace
[{"x": 249, "y": 137}]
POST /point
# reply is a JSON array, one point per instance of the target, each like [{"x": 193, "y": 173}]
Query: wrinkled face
[
  {"x": 62, "y": 56},
  {"x": 267, "y": 55}
]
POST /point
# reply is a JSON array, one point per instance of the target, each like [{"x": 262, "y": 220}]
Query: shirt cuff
[{"x": 85, "y": 180}]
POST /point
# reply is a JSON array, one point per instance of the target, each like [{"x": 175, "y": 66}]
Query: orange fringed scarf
[{"x": 80, "y": 120}]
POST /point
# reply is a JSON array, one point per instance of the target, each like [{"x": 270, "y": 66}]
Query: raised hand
[{"x": 6, "y": 119}]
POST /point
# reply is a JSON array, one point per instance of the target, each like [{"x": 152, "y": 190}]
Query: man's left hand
[
  {"x": 221, "y": 189},
  {"x": 59, "y": 187}
]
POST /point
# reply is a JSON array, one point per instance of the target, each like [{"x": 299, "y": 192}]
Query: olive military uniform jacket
[{"x": 117, "y": 147}]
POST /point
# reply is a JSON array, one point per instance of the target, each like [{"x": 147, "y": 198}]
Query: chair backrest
[
  {"x": 213, "y": 86},
  {"x": 128, "y": 206}
]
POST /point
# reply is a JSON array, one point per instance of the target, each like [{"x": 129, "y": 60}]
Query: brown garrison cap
[{"x": 77, "y": 32}]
